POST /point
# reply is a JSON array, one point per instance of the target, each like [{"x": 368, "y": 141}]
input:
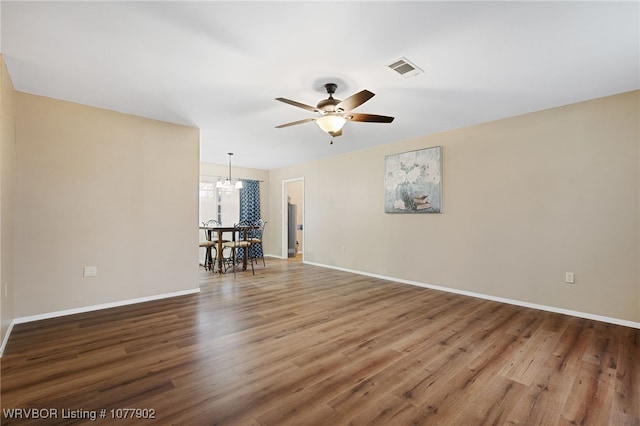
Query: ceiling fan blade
[
  {"x": 368, "y": 118},
  {"x": 298, "y": 104},
  {"x": 293, "y": 123},
  {"x": 355, "y": 101}
]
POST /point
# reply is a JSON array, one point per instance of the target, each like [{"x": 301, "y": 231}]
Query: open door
[{"x": 293, "y": 218}]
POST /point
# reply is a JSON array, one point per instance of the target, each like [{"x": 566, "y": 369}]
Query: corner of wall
[
  {"x": 638, "y": 142},
  {"x": 7, "y": 191}
]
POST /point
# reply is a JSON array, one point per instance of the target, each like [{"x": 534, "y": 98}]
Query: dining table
[{"x": 219, "y": 231}]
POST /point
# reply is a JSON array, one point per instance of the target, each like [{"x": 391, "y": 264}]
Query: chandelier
[{"x": 229, "y": 183}]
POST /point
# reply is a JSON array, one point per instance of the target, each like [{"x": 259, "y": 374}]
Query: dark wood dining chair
[
  {"x": 208, "y": 245},
  {"x": 239, "y": 241},
  {"x": 255, "y": 237}
]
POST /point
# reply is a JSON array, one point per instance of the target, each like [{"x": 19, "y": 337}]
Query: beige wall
[
  {"x": 97, "y": 187},
  {"x": 7, "y": 197},
  {"x": 526, "y": 199}
]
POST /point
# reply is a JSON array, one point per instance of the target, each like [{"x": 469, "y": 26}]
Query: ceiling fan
[{"x": 334, "y": 113}]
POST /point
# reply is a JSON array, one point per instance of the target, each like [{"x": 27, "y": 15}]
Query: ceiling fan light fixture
[{"x": 331, "y": 123}]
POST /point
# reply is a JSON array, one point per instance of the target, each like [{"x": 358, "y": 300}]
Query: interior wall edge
[{"x": 7, "y": 199}]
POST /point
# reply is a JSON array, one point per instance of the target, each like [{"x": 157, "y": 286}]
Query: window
[
  {"x": 218, "y": 204},
  {"x": 228, "y": 206}
]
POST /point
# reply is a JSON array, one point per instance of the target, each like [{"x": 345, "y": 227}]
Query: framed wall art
[{"x": 413, "y": 181}]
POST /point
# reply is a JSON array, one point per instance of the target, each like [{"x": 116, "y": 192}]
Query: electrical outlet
[
  {"x": 569, "y": 278},
  {"x": 90, "y": 271}
]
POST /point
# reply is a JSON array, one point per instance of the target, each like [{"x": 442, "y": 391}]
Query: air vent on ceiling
[{"x": 405, "y": 68}]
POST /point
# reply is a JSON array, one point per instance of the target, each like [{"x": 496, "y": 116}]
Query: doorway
[{"x": 293, "y": 218}]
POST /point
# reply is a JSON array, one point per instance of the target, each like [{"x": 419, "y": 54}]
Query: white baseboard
[
  {"x": 83, "y": 309},
  {"x": 616, "y": 321},
  {"x": 276, "y": 256},
  {"x": 6, "y": 337},
  {"x": 104, "y": 306}
]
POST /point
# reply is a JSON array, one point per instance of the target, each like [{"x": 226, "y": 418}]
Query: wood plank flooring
[{"x": 303, "y": 345}]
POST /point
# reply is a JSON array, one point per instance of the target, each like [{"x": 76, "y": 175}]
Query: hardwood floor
[{"x": 303, "y": 345}]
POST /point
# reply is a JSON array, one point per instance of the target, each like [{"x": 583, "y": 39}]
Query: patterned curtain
[{"x": 250, "y": 208}]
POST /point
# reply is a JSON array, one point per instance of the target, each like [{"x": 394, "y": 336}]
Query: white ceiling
[{"x": 219, "y": 65}]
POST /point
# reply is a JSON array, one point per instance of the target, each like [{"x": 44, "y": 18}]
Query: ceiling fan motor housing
[
  {"x": 331, "y": 88},
  {"x": 329, "y": 104}
]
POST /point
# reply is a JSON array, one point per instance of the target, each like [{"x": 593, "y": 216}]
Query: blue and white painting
[{"x": 413, "y": 181}]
